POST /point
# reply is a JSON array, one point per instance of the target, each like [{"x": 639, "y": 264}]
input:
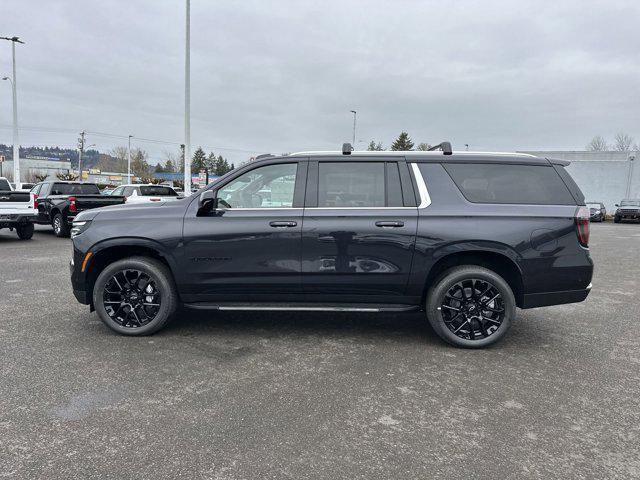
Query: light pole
[
  {"x": 187, "y": 103},
  {"x": 129, "y": 160},
  {"x": 354, "y": 127},
  {"x": 16, "y": 143}
]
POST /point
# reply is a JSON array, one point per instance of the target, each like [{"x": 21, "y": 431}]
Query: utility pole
[
  {"x": 354, "y": 128},
  {"x": 129, "y": 161},
  {"x": 81, "y": 148},
  {"x": 14, "y": 84},
  {"x": 187, "y": 104}
]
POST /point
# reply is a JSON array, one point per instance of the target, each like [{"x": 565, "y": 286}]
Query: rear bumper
[
  {"x": 533, "y": 300},
  {"x": 14, "y": 219}
]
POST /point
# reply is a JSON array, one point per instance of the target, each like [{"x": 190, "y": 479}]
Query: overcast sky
[{"x": 282, "y": 76}]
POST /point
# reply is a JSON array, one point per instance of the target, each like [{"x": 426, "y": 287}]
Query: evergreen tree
[
  {"x": 159, "y": 168},
  {"x": 375, "y": 147},
  {"x": 198, "y": 162},
  {"x": 169, "y": 167},
  {"x": 402, "y": 143},
  {"x": 139, "y": 165}
]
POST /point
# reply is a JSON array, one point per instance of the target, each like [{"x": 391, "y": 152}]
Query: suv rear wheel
[
  {"x": 470, "y": 306},
  {"x": 135, "y": 296}
]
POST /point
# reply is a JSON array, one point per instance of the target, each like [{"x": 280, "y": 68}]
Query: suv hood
[{"x": 130, "y": 207}]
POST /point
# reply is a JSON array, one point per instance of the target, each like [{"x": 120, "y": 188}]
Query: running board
[{"x": 298, "y": 307}]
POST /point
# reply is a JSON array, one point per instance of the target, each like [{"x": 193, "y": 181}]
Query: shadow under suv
[{"x": 464, "y": 237}]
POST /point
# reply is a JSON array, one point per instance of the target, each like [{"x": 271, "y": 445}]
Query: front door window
[{"x": 271, "y": 186}]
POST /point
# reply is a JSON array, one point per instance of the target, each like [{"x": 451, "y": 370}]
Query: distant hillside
[{"x": 90, "y": 158}]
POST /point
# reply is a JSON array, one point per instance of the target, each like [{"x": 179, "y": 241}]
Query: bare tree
[
  {"x": 423, "y": 146},
  {"x": 375, "y": 147},
  {"x": 67, "y": 177},
  {"x": 623, "y": 142},
  {"x": 597, "y": 144}
]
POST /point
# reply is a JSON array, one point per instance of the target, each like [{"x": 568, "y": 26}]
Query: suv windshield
[
  {"x": 630, "y": 203},
  {"x": 75, "y": 188}
]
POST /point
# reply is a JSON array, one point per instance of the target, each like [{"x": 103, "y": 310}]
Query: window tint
[
  {"x": 36, "y": 190},
  {"x": 157, "y": 190},
  {"x": 351, "y": 184},
  {"x": 505, "y": 183},
  {"x": 75, "y": 188},
  {"x": 4, "y": 185},
  {"x": 271, "y": 186},
  {"x": 128, "y": 191},
  {"x": 118, "y": 191}
]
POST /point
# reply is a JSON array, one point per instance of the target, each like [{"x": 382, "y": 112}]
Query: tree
[
  {"x": 623, "y": 142},
  {"x": 402, "y": 143},
  {"x": 423, "y": 147},
  {"x": 121, "y": 155},
  {"x": 139, "y": 165},
  {"x": 199, "y": 160},
  {"x": 67, "y": 177},
  {"x": 169, "y": 167},
  {"x": 159, "y": 168},
  {"x": 40, "y": 177},
  {"x": 375, "y": 147},
  {"x": 597, "y": 144}
]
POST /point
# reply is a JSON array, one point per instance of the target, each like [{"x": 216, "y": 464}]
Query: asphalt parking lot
[{"x": 246, "y": 395}]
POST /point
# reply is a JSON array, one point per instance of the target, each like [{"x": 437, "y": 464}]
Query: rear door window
[
  {"x": 351, "y": 184},
  {"x": 75, "y": 189},
  {"x": 4, "y": 185},
  {"x": 509, "y": 183}
]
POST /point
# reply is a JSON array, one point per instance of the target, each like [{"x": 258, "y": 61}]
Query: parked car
[
  {"x": 628, "y": 209},
  {"x": 60, "y": 202},
  {"x": 107, "y": 191},
  {"x": 138, "y": 193},
  {"x": 464, "y": 237},
  {"x": 17, "y": 210},
  {"x": 22, "y": 187},
  {"x": 597, "y": 211}
]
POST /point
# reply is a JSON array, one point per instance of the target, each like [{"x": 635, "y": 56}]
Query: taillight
[
  {"x": 582, "y": 225},
  {"x": 35, "y": 201},
  {"x": 72, "y": 204}
]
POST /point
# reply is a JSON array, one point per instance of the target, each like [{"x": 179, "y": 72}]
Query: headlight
[{"x": 79, "y": 227}]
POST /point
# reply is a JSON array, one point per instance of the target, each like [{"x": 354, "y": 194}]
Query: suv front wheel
[
  {"x": 135, "y": 296},
  {"x": 470, "y": 306}
]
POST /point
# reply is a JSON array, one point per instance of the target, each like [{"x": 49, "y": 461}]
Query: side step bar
[{"x": 311, "y": 307}]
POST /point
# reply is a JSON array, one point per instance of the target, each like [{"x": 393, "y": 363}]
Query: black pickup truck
[{"x": 60, "y": 202}]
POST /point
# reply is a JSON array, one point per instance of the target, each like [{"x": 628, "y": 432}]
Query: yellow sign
[{"x": 115, "y": 178}]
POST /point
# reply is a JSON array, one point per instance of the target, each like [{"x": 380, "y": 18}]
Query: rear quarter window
[
  {"x": 158, "y": 191},
  {"x": 509, "y": 183}
]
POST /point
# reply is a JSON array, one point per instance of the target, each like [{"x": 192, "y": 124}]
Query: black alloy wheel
[
  {"x": 135, "y": 295},
  {"x": 131, "y": 298},
  {"x": 473, "y": 309},
  {"x": 470, "y": 306}
]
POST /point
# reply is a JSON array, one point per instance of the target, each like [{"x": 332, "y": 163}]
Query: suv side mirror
[
  {"x": 617, "y": 205},
  {"x": 207, "y": 202}
]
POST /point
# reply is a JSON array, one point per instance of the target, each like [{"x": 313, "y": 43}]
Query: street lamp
[
  {"x": 129, "y": 160},
  {"x": 16, "y": 143},
  {"x": 187, "y": 102},
  {"x": 354, "y": 127}
]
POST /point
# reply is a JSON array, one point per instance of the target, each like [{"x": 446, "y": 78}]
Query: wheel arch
[
  {"x": 109, "y": 252},
  {"x": 500, "y": 263}
]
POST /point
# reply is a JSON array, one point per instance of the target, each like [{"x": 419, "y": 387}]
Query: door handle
[
  {"x": 390, "y": 224},
  {"x": 280, "y": 224}
]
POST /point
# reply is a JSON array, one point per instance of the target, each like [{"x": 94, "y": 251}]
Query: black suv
[
  {"x": 627, "y": 209},
  {"x": 465, "y": 237}
]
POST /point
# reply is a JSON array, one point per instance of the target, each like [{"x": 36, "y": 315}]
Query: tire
[
  {"x": 616, "y": 219},
  {"x": 473, "y": 279},
  {"x": 162, "y": 281},
  {"x": 60, "y": 227},
  {"x": 25, "y": 232}
]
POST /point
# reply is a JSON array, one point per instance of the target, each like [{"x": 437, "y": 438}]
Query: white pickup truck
[{"x": 18, "y": 210}]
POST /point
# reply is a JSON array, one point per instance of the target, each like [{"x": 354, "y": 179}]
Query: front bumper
[{"x": 534, "y": 300}]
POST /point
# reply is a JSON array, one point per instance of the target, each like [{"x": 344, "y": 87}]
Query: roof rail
[
  {"x": 263, "y": 155},
  {"x": 444, "y": 146}
]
